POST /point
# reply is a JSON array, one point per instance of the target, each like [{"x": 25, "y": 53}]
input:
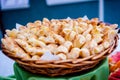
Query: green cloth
[
  {"x": 100, "y": 72},
  {"x": 8, "y": 78}
]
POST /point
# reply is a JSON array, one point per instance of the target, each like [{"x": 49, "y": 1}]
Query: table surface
[{"x": 6, "y": 64}]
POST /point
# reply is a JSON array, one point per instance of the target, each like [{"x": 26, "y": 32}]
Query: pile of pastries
[{"x": 60, "y": 39}]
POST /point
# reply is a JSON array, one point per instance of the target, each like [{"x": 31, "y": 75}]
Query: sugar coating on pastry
[{"x": 60, "y": 39}]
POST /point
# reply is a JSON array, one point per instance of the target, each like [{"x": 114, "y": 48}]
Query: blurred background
[{"x": 24, "y": 11}]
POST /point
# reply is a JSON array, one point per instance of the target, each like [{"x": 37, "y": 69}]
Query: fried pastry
[
  {"x": 74, "y": 53},
  {"x": 62, "y": 56},
  {"x": 84, "y": 52}
]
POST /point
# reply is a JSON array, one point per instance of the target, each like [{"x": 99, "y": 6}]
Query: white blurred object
[
  {"x": 14, "y": 4},
  {"x": 49, "y": 56},
  {"x": 58, "y": 2},
  {"x": 85, "y": 17},
  {"x": 6, "y": 65},
  {"x": 18, "y": 25},
  {"x": 68, "y": 18},
  {"x": 101, "y": 10}
]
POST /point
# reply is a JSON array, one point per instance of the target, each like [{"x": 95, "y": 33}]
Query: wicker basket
[{"x": 62, "y": 67}]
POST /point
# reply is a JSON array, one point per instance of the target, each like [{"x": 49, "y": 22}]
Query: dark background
[{"x": 38, "y": 10}]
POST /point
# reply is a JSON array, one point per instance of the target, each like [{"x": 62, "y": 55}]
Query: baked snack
[{"x": 63, "y": 44}]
